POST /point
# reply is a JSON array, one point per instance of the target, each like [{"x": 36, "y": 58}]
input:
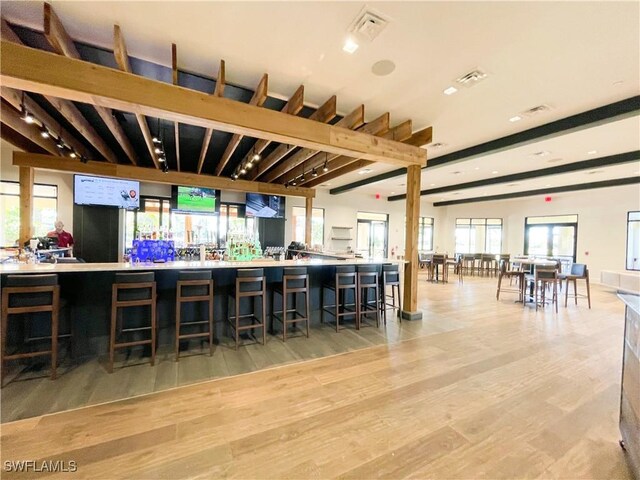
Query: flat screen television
[
  {"x": 266, "y": 206},
  {"x": 110, "y": 192},
  {"x": 198, "y": 200}
]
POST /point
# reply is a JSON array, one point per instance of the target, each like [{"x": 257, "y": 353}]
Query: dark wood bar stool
[
  {"x": 368, "y": 283},
  {"x": 132, "y": 290},
  {"x": 295, "y": 281},
  {"x": 344, "y": 283},
  {"x": 579, "y": 271},
  {"x": 487, "y": 264},
  {"x": 250, "y": 283},
  {"x": 194, "y": 286},
  {"x": 390, "y": 278},
  {"x": 440, "y": 266},
  {"x": 26, "y": 294},
  {"x": 503, "y": 274},
  {"x": 468, "y": 262}
]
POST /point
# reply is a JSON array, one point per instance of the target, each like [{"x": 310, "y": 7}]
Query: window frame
[
  {"x": 626, "y": 253},
  {"x": 293, "y": 224},
  {"x": 480, "y": 222},
  {"x": 559, "y": 224}
]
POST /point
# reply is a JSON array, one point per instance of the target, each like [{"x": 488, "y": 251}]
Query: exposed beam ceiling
[
  {"x": 618, "y": 159},
  {"x": 122, "y": 59},
  {"x": 68, "y": 110},
  {"x": 546, "y": 191},
  {"x": 325, "y": 113},
  {"x": 30, "y": 131},
  {"x": 218, "y": 91},
  {"x": 258, "y": 98},
  {"x": 588, "y": 119},
  {"x": 59, "y": 39},
  {"x": 398, "y": 133},
  {"x": 352, "y": 121},
  {"x": 17, "y": 140},
  {"x": 62, "y": 164}
]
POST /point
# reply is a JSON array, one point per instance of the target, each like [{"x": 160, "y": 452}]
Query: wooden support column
[
  {"x": 307, "y": 220},
  {"x": 26, "y": 204},
  {"x": 410, "y": 303}
]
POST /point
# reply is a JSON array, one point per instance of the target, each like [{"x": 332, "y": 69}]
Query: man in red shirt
[{"x": 65, "y": 239}]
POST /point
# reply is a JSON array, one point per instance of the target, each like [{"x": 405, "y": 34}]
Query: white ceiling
[{"x": 571, "y": 56}]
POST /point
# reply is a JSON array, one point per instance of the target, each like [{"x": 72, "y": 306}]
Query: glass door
[
  {"x": 364, "y": 238},
  {"x": 378, "y": 246},
  {"x": 551, "y": 239}
]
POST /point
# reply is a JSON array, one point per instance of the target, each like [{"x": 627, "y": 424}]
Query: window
[
  {"x": 372, "y": 234},
  {"x": 152, "y": 218},
  {"x": 317, "y": 225},
  {"x": 551, "y": 236},
  {"x": 478, "y": 235},
  {"x": 45, "y": 210},
  {"x": 425, "y": 234},
  {"x": 633, "y": 241}
]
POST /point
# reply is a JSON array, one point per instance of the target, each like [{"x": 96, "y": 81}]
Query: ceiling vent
[
  {"x": 536, "y": 110},
  {"x": 541, "y": 153},
  {"x": 472, "y": 78},
  {"x": 368, "y": 24}
]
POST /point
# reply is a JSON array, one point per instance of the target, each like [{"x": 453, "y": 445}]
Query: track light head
[
  {"x": 234, "y": 176},
  {"x": 165, "y": 167},
  {"x": 314, "y": 173},
  {"x": 44, "y": 133},
  {"x": 302, "y": 178},
  {"x": 26, "y": 116},
  {"x": 249, "y": 165},
  {"x": 83, "y": 159},
  {"x": 156, "y": 140},
  {"x": 256, "y": 157},
  {"x": 294, "y": 183},
  {"x": 158, "y": 150},
  {"x": 325, "y": 169},
  {"x": 73, "y": 154}
]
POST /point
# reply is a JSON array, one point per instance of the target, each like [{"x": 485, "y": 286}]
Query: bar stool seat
[
  {"x": 194, "y": 286},
  {"x": 368, "y": 282},
  {"x": 390, "y": 278},
  {"x": 26, "y": 294},
  {"x": 579, "y": 271},
  {"x": 250, "y": 283},
  {"x": 295, "y": 281},
  {"x": 132, "y": 290},
  {"x": 344, "y": 283}
]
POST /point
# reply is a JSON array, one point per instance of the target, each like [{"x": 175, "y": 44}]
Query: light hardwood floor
[{"x": 478, "y": 389}]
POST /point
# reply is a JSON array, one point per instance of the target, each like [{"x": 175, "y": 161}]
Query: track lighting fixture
[
  {"x": 156, "y": 140},
  {"x": 243, "y": 171},
  {"x": 60, "y": 143},
  {"x": 294, "y": 183},
  {"x": 302, "y": 177},
  {"x": 249, "y": 165},
  {"x": 44, "y": 133},
  {"x": 73, "y": 154},
  {"x": 26, "y": 116},
  {"x": 235, "y": 176},
  {"x": 158, "y": 150},
  {"x": 83, "y": 159},
  {"x": 256, "y": 157},
  {"x": 165, "y": 167},
  {"x": 314, "y": 173},
  {"x": 325, "y": 169}
]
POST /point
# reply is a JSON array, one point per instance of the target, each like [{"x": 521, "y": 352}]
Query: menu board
[{"x": 110, "y": 192}]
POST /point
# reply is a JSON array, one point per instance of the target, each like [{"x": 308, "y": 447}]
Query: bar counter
[{"x": 86, "y": 290}]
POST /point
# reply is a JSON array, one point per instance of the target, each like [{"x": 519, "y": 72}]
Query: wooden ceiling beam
[
  {"x": 16, "y": 98},
  {"x": 352, "y": 121},
  {"x": 62, "y": 164},
  {"x": 418, "y": 139},
  {"x": 67, "y": 109},
  {"x": 259, "y": 96},
  {"x": 59, "y": 39},
  {"x": 42, "y": 72},
  {"x": 122, "y": 59},
  {"x": 176, "y": 125},
  {"x": 378, "y": 127},
  {"x": 30, "y": 131},
  {"x": 400, "y": 133},
  {"x": 325, "y": 113},
  {"x": 9, "y": 135},
  {"x": 292, "y": 107},
  {"x": 208, "y": 134}
]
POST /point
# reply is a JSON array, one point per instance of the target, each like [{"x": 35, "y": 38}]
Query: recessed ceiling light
[
  {"x": 441, "y": 199},
  {"x": 393, "y": 193},
  {"x": 383, "y": 68},
  {"x": 618, "y": 83},
  {"x": 450, "y": 90},
  {"x": 350, "y": 46},
  {"x": 457, "y": 172},
  {"x": 548, "y": 185},
  {"x": 495, "y": 172},
  {"x": 364, "y": 171},
  {"x": 515, "y": 118},
  {"x": 433, "y": 184},
  {"x": 325, "y": 185},
  {"x": 592, "y": 152},
  {"x": 477, "y": 168}
]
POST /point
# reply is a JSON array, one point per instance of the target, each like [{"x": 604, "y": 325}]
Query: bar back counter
[{"x": 86, "y": 289}]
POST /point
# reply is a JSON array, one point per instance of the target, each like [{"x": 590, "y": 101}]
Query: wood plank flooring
[{"x": 477, "y": 389}]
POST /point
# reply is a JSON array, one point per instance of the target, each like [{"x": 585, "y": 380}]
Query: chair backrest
[
  {"x": 194, "y": 276},
  {"x": 439, "y": 258},
  {"x": 295, "y": 277},
  {"x": 346, "y": 275},
  {"x": 579, "y": 270},
  {"x": 503, "y": 265},
  {"x": 367, "y": 274},
  {"x": 250, "y": 280},
  {"x": 391, "y": 274},
  {"x": 545, "y": 272},
  {"x": 30, "y": 298},
  {"x": 135, "y": 293}
]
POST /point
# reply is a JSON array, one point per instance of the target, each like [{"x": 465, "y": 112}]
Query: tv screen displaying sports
[
  {"x": 266, "y": 206},
  {"x": 111, "y": 192},
  {"x": 196, "y": 200}
]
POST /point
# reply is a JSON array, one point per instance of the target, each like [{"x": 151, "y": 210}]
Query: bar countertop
[
  {"x": 181, "y": 265},
  {"x": 631, "y": 301}
]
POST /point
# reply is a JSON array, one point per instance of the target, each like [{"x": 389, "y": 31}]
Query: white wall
[
  {"x": 341, "y": 210},
  {"x": 602, "y": 222},
  {"x": 64, "y": 181}
]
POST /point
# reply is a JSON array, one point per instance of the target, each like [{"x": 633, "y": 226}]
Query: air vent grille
[
  {"x": 472, "y": 78},
  {"x": 536, "y": 110},
  {"x": 368, "y": 24}
]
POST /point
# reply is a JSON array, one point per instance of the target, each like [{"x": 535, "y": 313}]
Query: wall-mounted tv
[
  {"x": 198, "y": 200},
  {"x": 111, "y": 192},
  {"x": 266, "y": 206}
]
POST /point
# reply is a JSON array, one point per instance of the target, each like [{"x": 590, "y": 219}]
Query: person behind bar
[{"x": 65, "y": 239}]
